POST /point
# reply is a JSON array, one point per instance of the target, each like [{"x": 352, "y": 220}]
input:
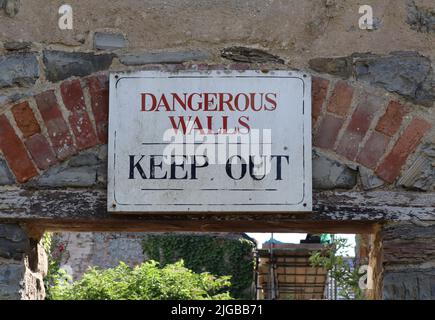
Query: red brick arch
[
  {"x": 55, "y": 125},
  {"x": 365, "y": 128}
]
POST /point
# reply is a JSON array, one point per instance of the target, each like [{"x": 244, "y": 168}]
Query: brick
[
  {"x": 99, "y": 91},
  {"x": 57, "y": 128},
  {"x": 40, "y": 150},
  {"x": 391, "y": 121},
  {"x": 349, "y": 144},
  {"x": 364, "y": 113},
  {"x": 319, "y": 91},
  {"x": 328, "y": 131},
  {"x": 79, "y": 120},
  {"x": 390, "y": 167},
  {"x": 15, "y": 152},
  {"x": 341, "y": 99},
  {"x": 358, "y": 126},
  {"x": 72, "y": 95},
  {"x": 25, "y": 119},
  {"x": 373, "y": 149}
]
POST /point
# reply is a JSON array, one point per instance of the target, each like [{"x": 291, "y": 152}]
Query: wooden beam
[{"x": 85, "y": 210}]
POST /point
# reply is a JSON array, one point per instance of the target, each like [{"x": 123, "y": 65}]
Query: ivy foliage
[
  {"x": 217, "y": 255},
  {"x": 146, "y": 281}
]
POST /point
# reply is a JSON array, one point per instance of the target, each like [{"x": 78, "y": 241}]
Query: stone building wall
[
  {"x": 373, "y": 107},
  {"x": 80, "y": 250}
]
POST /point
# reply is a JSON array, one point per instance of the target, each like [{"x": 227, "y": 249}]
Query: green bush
[
  {"x": 147, "y": 281},
  {"x": 217, "y": 255}
]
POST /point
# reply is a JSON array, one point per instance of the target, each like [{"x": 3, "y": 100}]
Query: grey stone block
[
  {"x": 20, "y": 95},
  {"x": 102, "y": 153},
  {"x": 11, "y": 278},
  {"x": 17, "y": 45},
  {"x": 84, "y": 159},
  {"x": 102, "y": 174},
  {"x": 4, "y": 100},
  {"x": 84, "y": 170},
  {"x": 12, "y": 232},
  {"x": 13, "y": 241},
  {"x": 409, "y": 285},
  {"x": 11, "y": 274},
  {"x": 406, "y": 73},
  {"x": 11, "y": 7},
  {"x": 109, "y": 41},
  {"x": 132, "y": 59},
  {"x": 421, "y": 174},
  {"x": 330, "y": 174},
  {"x": 369, "y": 180},
  {"x": 19, "y": 69},
  {"x": 62, "y": 176},
  {"x": 393, "y": 232},
  {"x": 6, "y": 176},
  {"x": 60, "y": 65},
  {"x": 420, "y": 19},
  {"x": 102, "y": 168}
]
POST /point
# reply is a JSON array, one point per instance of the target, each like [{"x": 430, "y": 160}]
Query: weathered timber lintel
[{"x": 83, "y": 210}]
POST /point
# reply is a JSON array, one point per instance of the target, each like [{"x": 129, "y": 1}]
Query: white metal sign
[{"x": 217, "y": 141}]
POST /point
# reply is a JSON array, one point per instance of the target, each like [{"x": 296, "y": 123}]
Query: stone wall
[
  {"x": 409, "y": 261},
  {"x": 373, "y": 104},
  {"x": 80, "y": 250},
  {"x": 23, "y": 264}
]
